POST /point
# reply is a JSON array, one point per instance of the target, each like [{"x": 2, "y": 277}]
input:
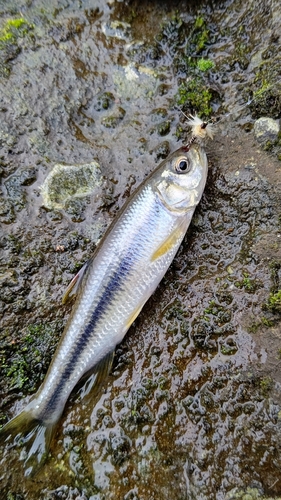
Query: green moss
[
  {"x": 275, "y": 266},
  {"x": 15, "y": 23},
  {"x": 266, "y": 98},
  {"x": 229, "y": 347},
  {"x": 104, "y": 101},
  {"x": 6, "y": 36},
  {"x": 185, "y": 45},
  {"x": 162, "y": 382},
  {"x": 266, "y": 384},
  {"x": 253, "y": 328},
  {"x": 14, "y": 28},
  {"x": 274, "y": 302},
  {"x": 256, "y": 325},
  {"x": 268, "y": 146},
  {"x": 213, "y": 308},
  {"x": 18, "y": 372},
  {"x": 114, "y": 120},
  {"x": 163, "y": 128},
  {"x": 148, "y": 383},
  {"x": 199, "y": 22},
  {"x": 25, "y": 362},
  {"x": 13, "y": 496},
  {"x": 260, "y": 93},
  {"x": 247, "y": 494},
  {"x": 194, "y": 94},
  {"x": 266, "y": 322},
  {"x": 179, "y": 132},
  {"x": 248, "y": 284},
  {"x": 14, "y": 244},
  {"x": 205, "y": 64},
  {"x": 201, "y": 34}
]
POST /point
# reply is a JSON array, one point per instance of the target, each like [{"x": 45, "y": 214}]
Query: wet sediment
[{"x": 192, "y": 408}]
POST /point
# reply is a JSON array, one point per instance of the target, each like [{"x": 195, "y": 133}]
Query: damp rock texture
[{"x": 90, "y": 99}]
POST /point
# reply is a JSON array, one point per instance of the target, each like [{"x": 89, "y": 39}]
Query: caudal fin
[{"x": 32, "y": 436}]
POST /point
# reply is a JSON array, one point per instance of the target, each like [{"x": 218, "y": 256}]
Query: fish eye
[{"x": 182, "y": 165}]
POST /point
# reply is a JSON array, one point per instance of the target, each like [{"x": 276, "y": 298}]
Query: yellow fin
[
  {"x": 168, "y": 244},
  {"x": 133, "y": 316}
]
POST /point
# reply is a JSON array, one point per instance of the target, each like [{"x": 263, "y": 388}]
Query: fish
[{"x": 111, "y": 290}]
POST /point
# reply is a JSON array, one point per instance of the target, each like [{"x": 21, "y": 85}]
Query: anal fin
[
  {"x": 94, "y": 378},
  {"x": 133, "y": 316}
]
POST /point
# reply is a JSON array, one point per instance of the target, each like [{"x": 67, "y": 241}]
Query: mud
[{"x": 192, "y": 407}]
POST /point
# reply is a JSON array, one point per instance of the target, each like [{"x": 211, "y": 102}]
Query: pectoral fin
[
  {"x": 74, "y": 284},
  {"x": 168, "y": 244}
]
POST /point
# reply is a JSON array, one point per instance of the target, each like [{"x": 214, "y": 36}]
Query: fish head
[{"x": 179, "y": 180}]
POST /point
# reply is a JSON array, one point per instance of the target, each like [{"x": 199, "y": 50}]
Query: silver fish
[{"x": 112, "y": 288}]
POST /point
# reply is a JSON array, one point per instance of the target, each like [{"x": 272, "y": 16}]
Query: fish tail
[{"x": 32, "y": 435}]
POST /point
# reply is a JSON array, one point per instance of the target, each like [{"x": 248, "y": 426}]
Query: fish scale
[{"x": 127, "y": 266}]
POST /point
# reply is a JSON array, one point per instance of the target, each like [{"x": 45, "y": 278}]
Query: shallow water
[{"x": 192, "y": 408}]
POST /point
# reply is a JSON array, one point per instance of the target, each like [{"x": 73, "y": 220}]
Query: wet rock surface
[{"x": 192, "y": 408}]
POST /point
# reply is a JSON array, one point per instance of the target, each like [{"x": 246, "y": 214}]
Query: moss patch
[
  {"x": 266, "y": 384},
  {"x": 24, "y": 362},
  {"x": 274, "y": 302},
  {"x": 267, "y": 100},
  {"x": 196, "y": 95},
  {"x": 247, "y": 283},
  {"x": 14, "y": 28},
  {"x": 205, "y": 64},
  {"x": 201, "y": 33}
]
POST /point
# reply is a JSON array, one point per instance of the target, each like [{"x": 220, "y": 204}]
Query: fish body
[{"x": 127, "y": 266}]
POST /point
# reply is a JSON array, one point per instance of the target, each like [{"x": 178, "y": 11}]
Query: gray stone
[
  {"x": 266, "y": 129},
  {"x": 67, "y": 182}
]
